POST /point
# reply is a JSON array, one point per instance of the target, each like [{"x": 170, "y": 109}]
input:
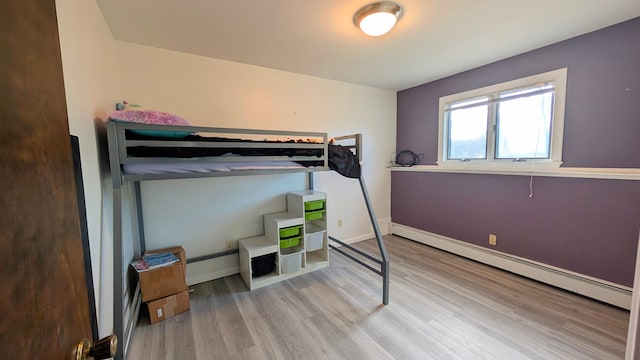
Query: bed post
[
  {"x": 118, "y": 313},
  {"x": 383, "y": 251},
  {"x": 310, "y": 180},
  {"x": 142, "y": 245}
]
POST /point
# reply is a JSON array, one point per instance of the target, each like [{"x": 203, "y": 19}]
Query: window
[{"x": 508, "y": 124}]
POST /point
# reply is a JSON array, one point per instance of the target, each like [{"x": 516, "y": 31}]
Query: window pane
[
  {"x": 468, "y": 103},
  {"x": 524, "y": 127},
  {"x": 535, "y": 90},
  {"x": 467, "y": 133}
]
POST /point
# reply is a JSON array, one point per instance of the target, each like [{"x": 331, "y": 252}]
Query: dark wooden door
[{"x": 44, "y": 307}]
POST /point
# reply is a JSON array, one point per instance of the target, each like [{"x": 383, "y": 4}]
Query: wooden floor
[{"x": 441, "y": 307}]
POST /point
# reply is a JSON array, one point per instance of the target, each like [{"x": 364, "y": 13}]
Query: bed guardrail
[{"x": 297, "y": 146}]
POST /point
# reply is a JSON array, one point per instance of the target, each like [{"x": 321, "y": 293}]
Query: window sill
[{"x": 536, "y": 170}]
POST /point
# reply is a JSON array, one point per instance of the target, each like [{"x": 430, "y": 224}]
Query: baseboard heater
[{"x": 602, "y": 290}]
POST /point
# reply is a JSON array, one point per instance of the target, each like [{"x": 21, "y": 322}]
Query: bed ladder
[{"x": 383, "y": 261}]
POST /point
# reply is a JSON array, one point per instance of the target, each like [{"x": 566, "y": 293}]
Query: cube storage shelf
[
  {"x": 312, "y": 206},
  {"x": 297, "y": 243}
]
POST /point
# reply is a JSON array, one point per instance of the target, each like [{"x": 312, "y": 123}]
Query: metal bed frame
[{"x": 118, "y": 156}]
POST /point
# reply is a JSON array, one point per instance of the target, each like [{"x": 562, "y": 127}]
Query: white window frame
[{"x": 558, "y": 77}]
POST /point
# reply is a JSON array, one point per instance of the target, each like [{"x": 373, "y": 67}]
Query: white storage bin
[
  {"x": 290, "y": 263},
  {"x": 314, "y": 241}
]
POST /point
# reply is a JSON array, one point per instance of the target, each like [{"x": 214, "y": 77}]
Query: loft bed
[{"x": 141, "y": 152}]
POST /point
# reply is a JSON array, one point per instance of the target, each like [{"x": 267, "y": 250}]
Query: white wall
[
  {"x": 91, "y": 86},
  {"x": 202, "y": 214}
]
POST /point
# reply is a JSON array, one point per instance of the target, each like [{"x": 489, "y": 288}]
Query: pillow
[{"x": 152, "y": 117}]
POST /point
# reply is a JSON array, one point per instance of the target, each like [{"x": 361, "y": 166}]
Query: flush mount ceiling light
[{"x": 378, "y": 18}]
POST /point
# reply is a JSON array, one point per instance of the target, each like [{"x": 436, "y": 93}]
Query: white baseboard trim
[
  {"x": 383, "y": 224},
  {"x": 602, "y": 290}
]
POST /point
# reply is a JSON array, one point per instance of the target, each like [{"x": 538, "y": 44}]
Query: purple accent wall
[
  {"x": 588, "y": 226},
  {"x": 584, "y": 225}
]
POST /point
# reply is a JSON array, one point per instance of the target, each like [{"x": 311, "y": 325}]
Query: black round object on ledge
[{"x": 407, "y": 158}]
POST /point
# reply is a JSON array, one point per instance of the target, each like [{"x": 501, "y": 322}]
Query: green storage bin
[
  {"x": 314, "y": 205},
  {"x": 290, "y": 231},
  {"x": 291, "y": 242},
  {"x": 314, "y": 215}
]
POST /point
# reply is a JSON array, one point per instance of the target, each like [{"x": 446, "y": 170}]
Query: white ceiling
[{"x": 434, "y": 38}]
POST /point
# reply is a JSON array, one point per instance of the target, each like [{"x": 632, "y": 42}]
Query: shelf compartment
[
  {"x": 314, "y": 241},
  {"x": 282, "y": 225},
  {"x": 256, "y": 247},
  {"x": 290, "y": 242},
  {"x": 314, "y": 215},
  {"x": 263, "y": 265},
  {"x": 290, "y": 232},
  {"x": 314, "y": 205},
  {"x": 290, "y": 263},
  {"x": 316, "y": 260},
  {"x": 310, "y": 228}
]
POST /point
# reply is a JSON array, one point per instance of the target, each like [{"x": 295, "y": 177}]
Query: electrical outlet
[
  {"x": 339, "y": 222},
  {"x": 229, "y": 244},
  {"x": 492, "y": 240}
]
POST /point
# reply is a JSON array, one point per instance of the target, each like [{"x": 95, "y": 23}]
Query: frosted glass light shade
[
  {"x": 378, "y": 18},
  {"x": 377, "y": 24}
]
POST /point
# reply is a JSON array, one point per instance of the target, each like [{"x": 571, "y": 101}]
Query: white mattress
[{"x": 200, "y": 167}]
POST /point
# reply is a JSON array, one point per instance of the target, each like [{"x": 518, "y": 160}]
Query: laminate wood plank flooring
[{"x": 441, "y": 307}]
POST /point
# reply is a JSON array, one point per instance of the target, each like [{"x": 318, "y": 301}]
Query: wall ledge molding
[
  {"x": 602, "y": 290},
  {"x": 570, "y": 172}
]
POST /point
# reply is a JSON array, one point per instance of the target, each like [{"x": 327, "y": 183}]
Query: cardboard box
[
  {"x": 168, "y": 307},
  {"x": 177, "y": 251},
  {"x": 164, "y": 281}
]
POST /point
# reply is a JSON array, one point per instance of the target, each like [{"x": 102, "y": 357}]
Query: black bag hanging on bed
[{"x": 342, "y": 160}]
